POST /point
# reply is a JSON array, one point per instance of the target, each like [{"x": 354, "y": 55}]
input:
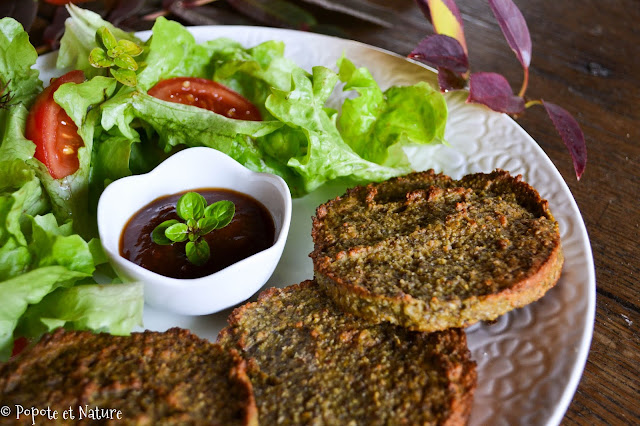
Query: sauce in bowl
[{"x": 250, "y": 231}]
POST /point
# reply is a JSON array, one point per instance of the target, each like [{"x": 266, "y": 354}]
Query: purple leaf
[
  {"x": 449, "y": 80},
  {"x": 445, "y": 17},
  {"x": 424, "y": 7},
  {"x": 55, "y": 29},
  {"x": 442, "y": 51},
  {"x": 493, "y": 90},
  {"x": 514, "y": 28},
  {"x": 571, "y": 134}
]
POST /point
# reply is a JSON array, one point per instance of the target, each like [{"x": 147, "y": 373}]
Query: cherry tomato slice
[
  {"x": 52, "y": 130},
  {"x": 206, "y": 94}
]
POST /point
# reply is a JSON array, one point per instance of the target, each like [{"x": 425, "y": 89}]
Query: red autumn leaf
[
  {"x": 442, "y": 51},
  {"x": 571, "y": 135},
  {"x": 514, "y": 28},
  {"x": 493, "y": 90}
]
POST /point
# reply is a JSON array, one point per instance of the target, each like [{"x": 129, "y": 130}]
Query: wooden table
[{"x": 586, "y": 58}]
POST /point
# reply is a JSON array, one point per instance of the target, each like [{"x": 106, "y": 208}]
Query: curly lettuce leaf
[
  {"x": 323, "y": 155},
  {"x": 378, "y": 124},
  {"x": 112, "y": 308},
  {"x": 170, "y": 52},
  {"x": 252, "y": 71},
  {"x": 38, "y": 255},
  {"x": 41, "y": 264},
  {"x": 42, "y": 257},
  {"x": 27, "y": 289},
  {"x": 17, "y": 56}
]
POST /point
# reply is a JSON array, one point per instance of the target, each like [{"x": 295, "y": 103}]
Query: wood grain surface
[{"x": 586, "y": 58}]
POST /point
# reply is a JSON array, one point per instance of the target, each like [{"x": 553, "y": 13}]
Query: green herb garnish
[
  {"x": 117, "y": 55},
  {"x": 200, "y": 220}
]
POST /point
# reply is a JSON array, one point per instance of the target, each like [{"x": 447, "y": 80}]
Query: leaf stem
[
  {"x": 525, "y": 82},
  {"x": 532, "y": 103}
]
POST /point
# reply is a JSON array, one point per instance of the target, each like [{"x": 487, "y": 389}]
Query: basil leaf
[
  {"x": 124, "y": 76},
  {"x": 158, "y": 235},
  {"x": 208, "y": 224},
  {"x": 222, "y": 212},
  {"x": 99, "y": 59},
  {"x": 104, "y": 38},
  {"x": 130, "y": 47},
  {"x": 198, "y": 252},
  {"x": 126, "y": 62},
  {"x": 177, "y": 232},
  {"x": 191, "y": 206}
]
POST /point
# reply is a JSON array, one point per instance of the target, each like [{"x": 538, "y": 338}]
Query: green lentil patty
[
  {"x": 170, "y": 378},
  {"x": 311, "y": 363},
  {"x": 428, "y": 252}
]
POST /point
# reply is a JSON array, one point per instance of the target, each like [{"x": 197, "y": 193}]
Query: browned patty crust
[
  {"x": 311, "y": 363},
  {"x": 428, "y": 252},
  {"x": 169, "y": 378}
]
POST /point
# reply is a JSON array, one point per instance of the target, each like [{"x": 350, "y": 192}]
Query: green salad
[{"x": 50, "y": 256}]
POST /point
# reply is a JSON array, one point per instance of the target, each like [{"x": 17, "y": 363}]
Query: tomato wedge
[
  {"x": 206, "y": 94},
  {"x": 52, "y": 130}
]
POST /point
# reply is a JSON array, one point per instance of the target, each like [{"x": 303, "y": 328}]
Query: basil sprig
[
  {"x": 117, "y": 56},
  {"x": 199, "y": 220}
]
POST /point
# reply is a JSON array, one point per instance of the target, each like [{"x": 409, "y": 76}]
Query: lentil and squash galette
[
  {"x": 311, "y": 363},
  {"x": 428, "y": 252}
]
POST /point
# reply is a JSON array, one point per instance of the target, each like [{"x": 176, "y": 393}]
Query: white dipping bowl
[{"x": 195, "y": 168}]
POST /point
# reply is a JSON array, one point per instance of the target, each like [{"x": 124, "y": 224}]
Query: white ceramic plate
[{"x": 529, "y": 361}]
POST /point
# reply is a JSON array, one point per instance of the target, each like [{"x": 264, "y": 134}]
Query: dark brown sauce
[{"x": 251, "y": 231}]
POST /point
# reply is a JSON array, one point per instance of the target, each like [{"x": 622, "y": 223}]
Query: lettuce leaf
[
  {"x": 378, "y": 124},
  {"x": 112, "y": 308},
  {"x": 46, "y": 267},
  {"x": 17, "y": 57},
  {"x": 27, "y": 289},
  {"x": 322, "y": 153}
]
